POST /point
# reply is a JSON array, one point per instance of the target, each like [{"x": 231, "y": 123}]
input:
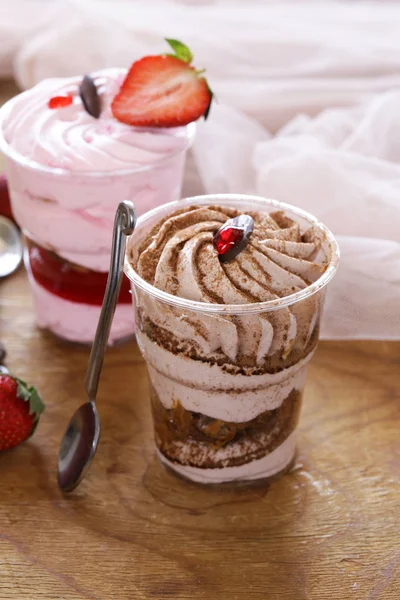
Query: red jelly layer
[{"x": 70, "y": 281}]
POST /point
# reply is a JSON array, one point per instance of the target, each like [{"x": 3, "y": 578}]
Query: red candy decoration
[
  {"x": 60, "y": 101},
  {"x": 232, "y": 237},
  {"x": 227, "y": 239}
]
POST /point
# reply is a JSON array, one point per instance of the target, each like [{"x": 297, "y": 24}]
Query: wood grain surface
[{"x": 329, "y": 530}]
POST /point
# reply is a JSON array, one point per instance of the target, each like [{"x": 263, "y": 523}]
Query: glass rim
[
  {"x": 237, "y": 309},
  {"x": 28, "y": 163}
]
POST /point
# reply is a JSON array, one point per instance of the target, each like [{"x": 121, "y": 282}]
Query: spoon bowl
[
  {"x": 10, "y": 247},
  {"x": 78, "y": 446}
]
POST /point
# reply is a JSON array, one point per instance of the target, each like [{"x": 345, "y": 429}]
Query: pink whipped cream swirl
[
  {"x": 67, "y": 170},
  {"x": 69, "y": 138}
]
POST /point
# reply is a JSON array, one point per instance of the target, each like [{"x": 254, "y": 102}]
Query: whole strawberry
[{"x": 20, "y": 409}]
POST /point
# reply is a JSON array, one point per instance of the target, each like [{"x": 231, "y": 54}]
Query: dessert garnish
[
  {"x": 90, "y": 97},
  {"x": 20, "y": 409},
  {"x": 233, "y": 237},
  {"x": 60, "y": 101},
  {"x": 163, "y": 91}
]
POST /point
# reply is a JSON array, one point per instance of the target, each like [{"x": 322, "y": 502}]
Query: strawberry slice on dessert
[{"x": 163, "y": 91}]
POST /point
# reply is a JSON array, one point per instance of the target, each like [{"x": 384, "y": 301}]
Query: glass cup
[
  {"x": 67, "y": 218},
  {"x": 216, "y": 418}
]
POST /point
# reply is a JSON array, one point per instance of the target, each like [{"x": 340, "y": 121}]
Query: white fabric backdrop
[{"x": 323, "y": 76}]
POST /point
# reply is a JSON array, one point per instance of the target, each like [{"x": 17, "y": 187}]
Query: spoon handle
[{"x": 124, "y": 224}]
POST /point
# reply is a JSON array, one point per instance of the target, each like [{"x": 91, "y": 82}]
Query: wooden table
[{"x": 329, "y": 530}]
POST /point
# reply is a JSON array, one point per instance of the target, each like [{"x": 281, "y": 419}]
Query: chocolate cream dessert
[{"x": 226, "y": 388}]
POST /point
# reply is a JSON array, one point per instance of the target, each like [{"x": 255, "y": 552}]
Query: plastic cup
[
  {"x": 216, "y": 419},
  {"x": 67, "y": 217}
]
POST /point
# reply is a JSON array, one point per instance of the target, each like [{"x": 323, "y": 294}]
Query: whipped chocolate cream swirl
[{"x": 178, "y": 257}]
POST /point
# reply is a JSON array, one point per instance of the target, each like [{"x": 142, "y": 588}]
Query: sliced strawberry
[{"x": 163, "y": 91}]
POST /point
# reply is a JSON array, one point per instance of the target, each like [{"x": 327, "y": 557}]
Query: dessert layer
[
  {"x": 70, "y": 281},
  {"x": 178, "y": 257},
  {"x": 177, "y": 344},
  {"x": 69, "y": 138},
  {"x": 81, "y": 229},
  {"x": 212, "y": 371},
  {"x": 193, "y": 439},
  {"x": 78, "y": 322},
  {"x": 235, "y": 404},
  {"x": 267, "y": 466}
]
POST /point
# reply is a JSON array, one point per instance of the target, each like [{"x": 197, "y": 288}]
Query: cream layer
[
  {"x": 207, "y": 388},
  {"x": 269, "y": 465}
]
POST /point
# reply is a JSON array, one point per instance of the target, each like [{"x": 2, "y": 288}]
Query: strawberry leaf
[
  {"x": 31, "y": 395},
  {"x": 181, "y": 51},
  {"x": 22, "y": 389},
  {"x": 211, "y": 99},
  {"x": 36, "y": 403}
]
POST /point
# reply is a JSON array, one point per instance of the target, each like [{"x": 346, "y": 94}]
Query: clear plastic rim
[
  {"x": 238, "y": 309},
  {"x": 12, "y": 154}
]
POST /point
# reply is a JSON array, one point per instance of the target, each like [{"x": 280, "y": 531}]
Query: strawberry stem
[{"x": 181, "y": 51}]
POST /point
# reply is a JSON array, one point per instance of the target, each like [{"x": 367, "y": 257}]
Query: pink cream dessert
[{"x": 67, "y": 171}]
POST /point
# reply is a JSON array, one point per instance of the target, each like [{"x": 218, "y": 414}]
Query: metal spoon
[
  {"x": 10, "y": 247},
  {"x": 81, "y": 438}
]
